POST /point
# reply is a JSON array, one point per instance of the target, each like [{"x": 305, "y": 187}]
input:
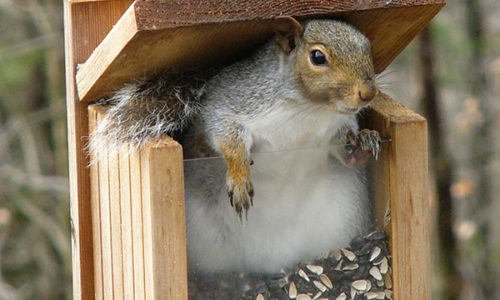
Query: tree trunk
[
  {"x": 482, "y": 143},
  {"x": 441, "y": 166}
]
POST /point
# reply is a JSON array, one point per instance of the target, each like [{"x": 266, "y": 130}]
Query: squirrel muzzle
[
  {"x": 360, "y": 96},
  {"x": 366, "y": 92}
]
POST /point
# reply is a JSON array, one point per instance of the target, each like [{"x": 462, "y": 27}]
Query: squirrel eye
[{"x": 318, "y": 58}]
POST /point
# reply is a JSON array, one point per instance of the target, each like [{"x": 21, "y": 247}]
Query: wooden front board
[{"x": 137, "y": 209}]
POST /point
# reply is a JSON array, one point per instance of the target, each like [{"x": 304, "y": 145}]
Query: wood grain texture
[
  {"x": 95, "y": 206},
  {"x": 138, "y": 203},
  {"x": 115, "y": 207},
  {"x": 154, "y": 35},
  {"x": 401, "y": 180},
  {"x": 138, "y": 226},
  {"x": 165, "y": 225},
  {"x": 85, "y": 25},
  {"x": 80, "y": 1},
  {"x": 127, "y": 226}
]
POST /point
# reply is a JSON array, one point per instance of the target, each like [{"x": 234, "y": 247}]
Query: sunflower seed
[
  {"x": 365, "y": 249},
  {"x": 388, "y": 294},
  {"x": 350, "y": 256},
  {"x": 360, "y": 285},
  {"x": 380, "y": 283},
  {"x": 326, "y": 281},
  {"x": 303, "y": 297},
  {"x": 304, "y": 275},
  {"x": 388, "y": 282},
  {"x": 375, "y": 253},
  {"x": 350, "y": 267},
  {"x": 336, "y": 254},
  {"x": 378, "y": 260},
  {"x": 319, "y": 286},
  {"x": 357, "y": 242},
  {"x": 371, "y": 295},
  {"x": 375, "y": 295},
  {"x": 282, "y": 282},
  {"x": 376, "y": 236},
  {"x": 292, "y": 291},
  {"x": 375, "y": 272},
  {"x": 353, "y": 293},
  {"x": 384, "y": 266},
  {"x": 315, "y": 269},
  {"x": 339, "y": 266},
  {"x": 342, "y": 296},
  {"x": 318, "y": 294},
  {"x": 260, "y": 297}
]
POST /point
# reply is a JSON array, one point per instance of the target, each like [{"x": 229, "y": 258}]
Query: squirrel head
[{"x": 332, "y": 62}]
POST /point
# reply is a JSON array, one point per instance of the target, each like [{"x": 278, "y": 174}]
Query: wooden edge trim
[
  {"x": 401, "y": 184},
  {"x": 106, "y": 52}
]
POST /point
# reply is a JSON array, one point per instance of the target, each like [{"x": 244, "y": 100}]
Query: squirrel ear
[{"x": 288, "y": 30}]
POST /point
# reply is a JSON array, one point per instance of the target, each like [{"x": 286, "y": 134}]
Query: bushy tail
[{"x": 143, "y": 111}]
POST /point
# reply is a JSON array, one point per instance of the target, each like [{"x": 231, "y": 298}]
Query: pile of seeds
[{"x": 361, "y": 271}]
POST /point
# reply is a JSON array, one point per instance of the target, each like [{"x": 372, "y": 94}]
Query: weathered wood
[
  {"x": 140, "y": 210},
  {"x": 86, "y": 24},
  {"x": 401, "y": 183},
  {"x": 156, "y": 34}
]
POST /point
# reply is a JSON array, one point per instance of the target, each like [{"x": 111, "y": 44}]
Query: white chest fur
[
  {"x": 293, "y": 126},
  {"x": 306, "y": 202}
]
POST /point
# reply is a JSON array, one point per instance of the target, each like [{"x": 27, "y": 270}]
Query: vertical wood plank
[
  {"x": 115, "y": 201},
  {"x": 85, "y": 25},
  {"x": 105, "y": 215},
  {"x": 147, "y": 225},
  {"x": 401, "y": 178},
  {"x": 96, "y": 215},
  {"x": 410, "y": 212},
  {"x": 127, "y": 226},
  {"x": 164, "y": 215},
  {"x": 137, "y": 228}
]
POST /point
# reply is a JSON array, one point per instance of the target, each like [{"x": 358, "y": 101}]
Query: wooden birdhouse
[{"x": 128, "y": 226}]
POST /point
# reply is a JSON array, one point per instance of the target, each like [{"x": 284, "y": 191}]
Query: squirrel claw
[
  {"x": 240, "y": 196},
  {"x": 359, "y": 148}
]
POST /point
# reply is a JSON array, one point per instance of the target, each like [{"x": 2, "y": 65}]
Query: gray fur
[
  {"x": 143, "y": 111},
  {"x": 260, "y": 100}
]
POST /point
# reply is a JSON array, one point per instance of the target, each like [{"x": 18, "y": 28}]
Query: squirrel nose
[{"x": 367, "y": 93}]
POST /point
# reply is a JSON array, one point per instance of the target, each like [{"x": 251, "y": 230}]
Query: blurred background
[{"x": 450, "y": 74}]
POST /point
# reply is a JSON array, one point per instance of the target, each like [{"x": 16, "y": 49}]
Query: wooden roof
[{"x": 158, "y": 34}]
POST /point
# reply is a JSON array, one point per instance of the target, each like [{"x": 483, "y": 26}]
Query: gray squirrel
[{"x": 302, "y": 88}]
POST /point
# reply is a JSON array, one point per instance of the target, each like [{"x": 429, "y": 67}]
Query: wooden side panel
[
  {"x": 115, "y": 207},
  {"x": 86, "y": 24},
  {"x": 138, "y": 203},
  {"x": 164, "y": 215},
  {"x": 95, "y": 205},
  {"x": 137, "y": 226},
  {"x": 401, "y": 184},
  {"x": 127, "y": 226}
]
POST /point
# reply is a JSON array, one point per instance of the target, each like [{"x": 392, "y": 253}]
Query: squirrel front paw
[
  {"x": 240, "y": 195},
  {"x": 360, "y": 147}
]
